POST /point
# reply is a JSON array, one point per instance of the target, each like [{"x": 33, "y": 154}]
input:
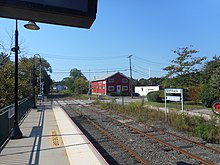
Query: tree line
[{"x": 26, "y": 80}]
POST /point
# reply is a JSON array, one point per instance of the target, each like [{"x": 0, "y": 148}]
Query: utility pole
[
  {"x": 131, "y": 86},
  {"x": 90, "y": 91}
]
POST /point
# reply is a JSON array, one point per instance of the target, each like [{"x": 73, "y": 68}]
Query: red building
[{"x": 111, "y": 83}]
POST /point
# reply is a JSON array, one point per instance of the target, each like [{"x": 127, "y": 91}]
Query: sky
[{"x": 146, "y": 29}]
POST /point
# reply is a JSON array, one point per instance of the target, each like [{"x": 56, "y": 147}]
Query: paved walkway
[{"x": 42, "y": 141}]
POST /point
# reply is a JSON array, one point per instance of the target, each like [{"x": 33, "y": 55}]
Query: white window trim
[
  {"x": 123, "y": 88},
  {"x": 113, "y": 88},
  {"x": 111, "y": 80},
  {"x": 124, "y": 80}
]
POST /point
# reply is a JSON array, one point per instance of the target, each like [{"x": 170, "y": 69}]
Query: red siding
[
  {"x": 117, "y": 82},
  {"x": 98, "y": 87},
  {"x": 102, "y": 87}
]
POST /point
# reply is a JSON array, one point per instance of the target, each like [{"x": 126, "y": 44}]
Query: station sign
[
  {"x": 168, "y": 96},
  {"x": 173, "y": 90},
  {"x": 75, "y": 13},
  {"x": 173, "y": 98}
]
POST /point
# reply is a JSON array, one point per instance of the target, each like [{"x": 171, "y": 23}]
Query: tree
[
  {"x": 6, "y": 84},
  {"x": 210, "y": 90},
  {"x": 210, "y": 68},
  {"x": 75, "y": 73},
  {"x": 26, "y": 67},
  {"x": 184, "y": 65},
  {"x": 76, "y": 82},
  {"x": 143, "y": 81},
  {"x": 4, "y": 58},
  {"x": 7, "y": 74},
  {"x": 207, "y": 95},
  {"x": 81, "y": 85},
  {"x": 215, "y": 82},
  {"x": 69, "y": 83}
]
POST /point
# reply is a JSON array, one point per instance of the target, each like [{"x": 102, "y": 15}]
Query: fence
[{"x": 7, "y": 117}]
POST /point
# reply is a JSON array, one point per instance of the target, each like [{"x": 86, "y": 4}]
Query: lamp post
[
  {"x": 16, "y": 132},
  {"x": 34, "y": 78}
]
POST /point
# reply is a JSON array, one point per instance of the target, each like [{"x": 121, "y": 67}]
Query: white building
[{"x": 144, "y": 90}]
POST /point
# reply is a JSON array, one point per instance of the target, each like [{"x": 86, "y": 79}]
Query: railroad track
[
  {"x": 155, "y": 129},
  {"x": 92, "y": 125},
  {"x": 168, "y": 142}
]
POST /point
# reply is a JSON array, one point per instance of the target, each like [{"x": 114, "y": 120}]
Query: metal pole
[
  {"x": 131, "y": 87},
  {"x": 34, "y": 84},
  {"x": 165, "y": 111},
  {"x": 182, "y": 101},
  {"x": 40, "y": 72},
  {"x": 40, "y": 79},
  {"x": 16, "y": 132}
]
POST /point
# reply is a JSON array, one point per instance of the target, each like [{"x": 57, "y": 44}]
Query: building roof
[{"x": 104, "y": 77}]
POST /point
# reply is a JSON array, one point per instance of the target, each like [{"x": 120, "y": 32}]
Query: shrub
[
  {"x": 193, "y": 93},
  {"x": 155, "y": 96},
  {"x": 113, "y": 94},
  {"x": 207, "y": 131},
  {"x": 207, "y": 95}
]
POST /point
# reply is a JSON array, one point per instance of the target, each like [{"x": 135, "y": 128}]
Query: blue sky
[{"x": 147, "y": 29}]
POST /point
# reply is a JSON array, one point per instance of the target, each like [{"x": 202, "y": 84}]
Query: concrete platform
[{"x": 50, "y": 138}]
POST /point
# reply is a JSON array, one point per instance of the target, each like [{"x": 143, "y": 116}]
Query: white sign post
[{"x": 173, "y": 98}]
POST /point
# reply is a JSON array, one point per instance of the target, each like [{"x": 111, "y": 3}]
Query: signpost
[{"x": 173, "y": 98}]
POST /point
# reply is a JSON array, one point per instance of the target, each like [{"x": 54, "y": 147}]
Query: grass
[
  {"x": 208, "y": 130},
  {"x": 177, "y": 105}
]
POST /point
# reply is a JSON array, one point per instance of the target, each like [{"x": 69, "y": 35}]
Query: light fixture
[{"x": 31, "y": 26}]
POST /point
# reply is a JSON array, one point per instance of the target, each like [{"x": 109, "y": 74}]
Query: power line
[
  {"x": 98, "y": 69},
  {"x": 58, "y": 72},
  {"x": 147, "y": 69},
  {"x": 87, "y": 58},
  {"x": 140, "y": 73},
  {"x": 148, "y": 61}
]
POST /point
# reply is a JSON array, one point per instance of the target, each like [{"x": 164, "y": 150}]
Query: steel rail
[
  {"x": 172, "y": 134},
  {"x": 115, "y": 140},
  {"x": 161, "y": 142}
]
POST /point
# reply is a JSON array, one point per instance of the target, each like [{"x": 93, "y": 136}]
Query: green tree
[
  {"x": 69, "y": 83},
  {"x": 75, "y": 73},
  {"x": 26, "y": 68},
  {"x": 210, "y": 90},
  {"x": 143, "y": 81},
  {"x": 76, "y": 82},
  {"x": 210, "y": 68},
  {"x": 184, "y": 65},
  {"x": 215, "y": 82},
  {"x": 4, "y": 58},
  {"x": 81, "y": 85},
  {"x": 207, "y": 95},
  {"x": 6, "y": 84}
]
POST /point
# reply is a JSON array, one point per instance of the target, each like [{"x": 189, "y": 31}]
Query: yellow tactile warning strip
[
  {"x": 55, "y": 138},
  {"x": 79, "y": 149}
]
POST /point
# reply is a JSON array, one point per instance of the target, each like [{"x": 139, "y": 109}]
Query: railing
[{"x": 7, "y": 117}]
